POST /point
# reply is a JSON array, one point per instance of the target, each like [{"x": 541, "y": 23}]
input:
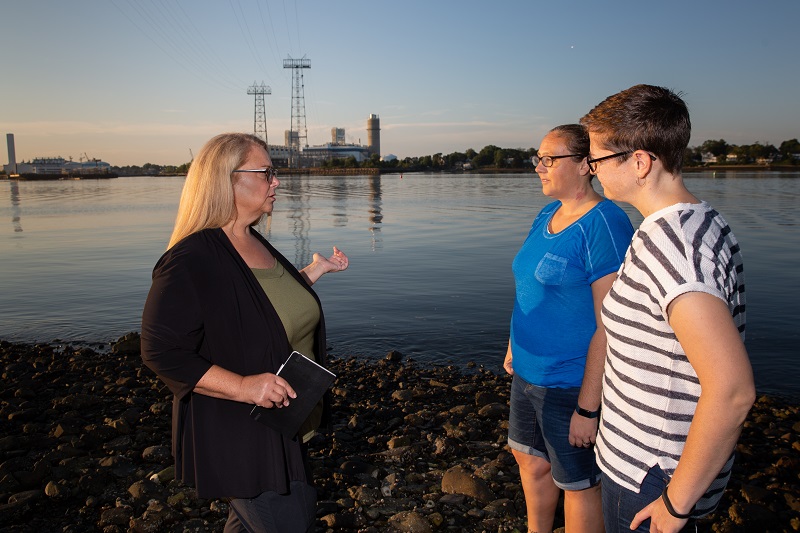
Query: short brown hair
[{"x": 644, "y": 117}]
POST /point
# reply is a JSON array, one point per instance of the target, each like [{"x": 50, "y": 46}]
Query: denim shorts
[
  {"x": 539, "y": 425},
  {"x": 620, "y": 504}
]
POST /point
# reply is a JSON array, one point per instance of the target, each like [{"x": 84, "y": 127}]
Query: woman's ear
[
  {"x": 643, "y": 163},
  {"x": 584, "y": 167}
]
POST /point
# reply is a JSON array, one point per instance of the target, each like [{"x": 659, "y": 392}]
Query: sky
[{"x": 150, "y": 81}]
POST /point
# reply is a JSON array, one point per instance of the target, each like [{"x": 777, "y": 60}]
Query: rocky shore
[{"x": 85, "y": 437}]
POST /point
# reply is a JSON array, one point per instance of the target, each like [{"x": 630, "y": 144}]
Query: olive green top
[{"x": 299, "y": 314}]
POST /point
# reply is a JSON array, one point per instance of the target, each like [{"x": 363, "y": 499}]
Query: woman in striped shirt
[{"x": 677, "y": 383}]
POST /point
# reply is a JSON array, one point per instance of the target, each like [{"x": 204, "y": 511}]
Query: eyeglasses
[
  {"x": 593, "y": 162},
  {"x": 269, "y": 173},
  {"x": 548, "y": 159}
]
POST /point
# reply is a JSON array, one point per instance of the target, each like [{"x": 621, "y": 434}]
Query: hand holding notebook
[{"x": 310, "y": 381}]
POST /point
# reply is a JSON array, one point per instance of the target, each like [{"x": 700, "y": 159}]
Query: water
[{"x": 430, "y": 259}]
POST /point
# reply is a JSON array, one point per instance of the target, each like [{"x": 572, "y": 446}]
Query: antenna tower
[
  {"x": 260, "y": 115},
  {"x": 298, "y": 134}
]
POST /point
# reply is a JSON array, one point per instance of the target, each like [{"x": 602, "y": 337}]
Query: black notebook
[{"x": 310, "y": 381}]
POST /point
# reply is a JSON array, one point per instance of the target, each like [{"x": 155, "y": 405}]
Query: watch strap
[{"x": 587, "y": 414}]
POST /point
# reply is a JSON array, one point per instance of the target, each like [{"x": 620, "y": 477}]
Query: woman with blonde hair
[{"x": 224, "y": 311}]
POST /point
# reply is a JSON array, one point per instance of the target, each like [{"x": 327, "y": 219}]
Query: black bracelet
[
  {"x": 587, "y": 414},
  {"x": 671, "y": 509}
]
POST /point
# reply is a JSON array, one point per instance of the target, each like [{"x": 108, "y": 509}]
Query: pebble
[{"x": 85, "y": 445}]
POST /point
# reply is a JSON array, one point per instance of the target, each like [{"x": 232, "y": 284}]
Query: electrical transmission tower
[
  {"x": 260, "y": 116},
  {"x": 298, "y": 134}
]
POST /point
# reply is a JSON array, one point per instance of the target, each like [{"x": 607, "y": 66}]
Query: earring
[{"x": 641, "y": 181}]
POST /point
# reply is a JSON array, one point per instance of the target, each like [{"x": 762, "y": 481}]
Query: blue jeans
[{"x": 620, "y": 505}]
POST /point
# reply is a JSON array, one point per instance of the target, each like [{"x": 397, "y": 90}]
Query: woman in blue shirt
[{"x": 556, "y": 350}]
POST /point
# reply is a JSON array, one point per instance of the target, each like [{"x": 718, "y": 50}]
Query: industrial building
[
  {"x": 53, "y": 167},
  {"x": 337, "y": 148}
]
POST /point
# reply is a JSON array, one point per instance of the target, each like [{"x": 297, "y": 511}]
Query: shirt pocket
[{"x": 551, "y": 269}]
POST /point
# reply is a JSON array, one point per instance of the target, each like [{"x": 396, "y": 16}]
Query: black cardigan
[{"x": 206, "y": 307}]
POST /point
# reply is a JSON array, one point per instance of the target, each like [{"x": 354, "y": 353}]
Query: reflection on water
[
  {"x": 430, "y": 270},
  {"x": 16, "y": 211},
  {"x": 375, "y": 211}
]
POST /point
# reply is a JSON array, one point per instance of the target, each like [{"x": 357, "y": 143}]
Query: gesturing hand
[{"x": 335, "y": 263}]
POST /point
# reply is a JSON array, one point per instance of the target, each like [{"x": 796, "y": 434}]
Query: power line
[{"x": 197, "y": 70}]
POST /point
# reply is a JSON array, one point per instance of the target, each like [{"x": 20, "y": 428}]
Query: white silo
[{"x": 374, "y": 134}]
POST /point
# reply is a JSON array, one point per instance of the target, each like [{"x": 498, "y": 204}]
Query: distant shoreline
[
  {"x": 317, "y": 171},
  {"x": 57, "y": 177},
  {"x": 771, "y": 168}
]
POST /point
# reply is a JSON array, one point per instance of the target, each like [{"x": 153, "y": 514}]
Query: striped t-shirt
[{"x": 650, "y": 390}]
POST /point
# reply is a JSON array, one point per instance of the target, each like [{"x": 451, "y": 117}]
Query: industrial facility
[
  {"x": 54, "y": 167},
  {"x": 295, "y": 152},
  {"x": 312, "y": 156}
]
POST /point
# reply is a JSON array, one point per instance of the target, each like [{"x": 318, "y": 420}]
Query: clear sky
[{"x": 137, "y": 81}]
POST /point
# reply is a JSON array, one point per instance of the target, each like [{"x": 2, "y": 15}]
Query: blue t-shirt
[{"x": 553, "y": 319}]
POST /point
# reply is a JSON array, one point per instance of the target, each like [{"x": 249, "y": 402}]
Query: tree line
[{"x": 494, "y": 157}]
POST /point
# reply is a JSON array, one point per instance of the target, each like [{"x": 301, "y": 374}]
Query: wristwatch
[{"x": 587, "y": 414}]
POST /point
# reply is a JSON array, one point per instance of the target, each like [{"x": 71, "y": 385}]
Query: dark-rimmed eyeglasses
[
  {"x": 593, "y": 162},
  {"x": 547, "y": 160},
  {"x": 268, "y": 173}
]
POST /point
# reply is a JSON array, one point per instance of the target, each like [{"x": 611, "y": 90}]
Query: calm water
[{"x": 430, "y": 259}]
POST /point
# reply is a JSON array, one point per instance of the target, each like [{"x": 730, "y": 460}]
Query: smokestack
[
  {"x": 374, "y": 134},
  {"x": 12, "y": 154}
]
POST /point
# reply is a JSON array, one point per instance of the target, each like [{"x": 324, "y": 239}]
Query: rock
[
  {"x": 494, "y": 411},
  {"x": 792, "y": 501},
  {"x": 164, "y": 476},
  {"x": 394, "y": 356},
  {"x": 127, "y": 344},
  {"x": 57, "y": 490},
  {"x": 755, "y": 494},
  {"x": 365, "y": 496},
  {"x": 117, "y": 516},
  {"x": 459, "y": 480},
  {"x": 403, "y": 395},
  {"x": 503, "y": 507},
  {"x": 155, "y": 518},
  {"x": 397, "y": 442},
  {"x": 144, "y": 490},
  {"x": 453, "y": 499},
  {"x": 157, "y": 454},
  {"x": 410, "y": 522}
]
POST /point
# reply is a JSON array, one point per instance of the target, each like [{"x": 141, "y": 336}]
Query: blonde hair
[{"x": 207, "y": 197}]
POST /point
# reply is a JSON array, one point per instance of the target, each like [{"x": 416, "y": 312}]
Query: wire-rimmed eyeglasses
[
  {"x": 547, "y": 160},
  {"x": 268, "y": 172}
]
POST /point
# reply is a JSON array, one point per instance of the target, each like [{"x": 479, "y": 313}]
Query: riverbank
[
  {"x": 86, "y": 436},
  {"x": 56, "y": 177}
]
